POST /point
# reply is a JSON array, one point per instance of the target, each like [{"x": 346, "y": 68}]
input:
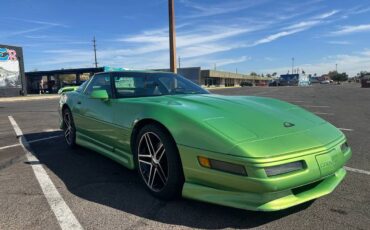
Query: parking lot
[{"x": 101, "y": 194}]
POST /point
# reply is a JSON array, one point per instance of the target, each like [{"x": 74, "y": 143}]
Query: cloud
[
  {"x": 351, "y": 29},
  {"x": 339, "y": 42},
  {"x": 273, "y": 37},
  {"x": 41, "y": 25},
  {"x": 349, "y": 63},
  {"x": 209, "y": 63},
  {"x": 327, "y": 14},
  {"x": 195, "y": 42},
  {"x": 206, "y": 10}
]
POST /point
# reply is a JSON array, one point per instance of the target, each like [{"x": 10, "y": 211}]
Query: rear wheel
[
  {"x": 69, "y": 128},
  {"x": 158, "y": 162}
]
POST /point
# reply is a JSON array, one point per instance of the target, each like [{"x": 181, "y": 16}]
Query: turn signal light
[
  {"x": 203, "y": 161},
  {"x": 222, "y": 166}
]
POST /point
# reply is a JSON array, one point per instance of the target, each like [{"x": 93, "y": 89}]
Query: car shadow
[{"x": 98, "y": 179}]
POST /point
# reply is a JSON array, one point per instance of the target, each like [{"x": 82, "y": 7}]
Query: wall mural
[{"x": 9, "y": 69}]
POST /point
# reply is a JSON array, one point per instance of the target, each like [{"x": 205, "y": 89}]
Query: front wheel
[
  {"x": 69, "y": 128},
  {"x": 158, "y": 162}
]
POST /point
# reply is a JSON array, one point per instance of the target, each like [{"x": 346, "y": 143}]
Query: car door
[{"x": 96, "y": 119}]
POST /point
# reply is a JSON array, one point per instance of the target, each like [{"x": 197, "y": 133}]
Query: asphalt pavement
[{"x": 104, "y": 195}]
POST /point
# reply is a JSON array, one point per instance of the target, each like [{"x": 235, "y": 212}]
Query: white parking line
[
  {"x": 62, "y": 212},
  {"x": 297, "y": 101},
  {"x": 319, "y": 113},
  {"x": 32, "y": 141},
  {"x": 9, "y": 146},
  {"x": 16, "y": 128},
  {"x": 357, "y": 170},
  {"x": 45, "y": 138},
  {"x": 316, "y": 106},
  {"x": 51, "y": 130},
  {"x": 344, "y": 129}
]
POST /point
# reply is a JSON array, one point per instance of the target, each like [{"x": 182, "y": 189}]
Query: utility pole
[
  {"x": 179, "y": 62},
  {"x": 96, "y": 60},
  {"x": 215, "y": 67},
  {"x": 236, "y": 70},
  {"x": 172, "y": 35},
  {"x": 292, "y": 65},
  {"x": 336, "y": 68}
]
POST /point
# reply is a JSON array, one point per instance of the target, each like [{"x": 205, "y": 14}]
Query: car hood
[
  {"x": 250, "y": 121},
  {"x": 244, "y": 118}
]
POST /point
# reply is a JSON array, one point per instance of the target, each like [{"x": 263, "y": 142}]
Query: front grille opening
[{"x": 306, "y": 187}]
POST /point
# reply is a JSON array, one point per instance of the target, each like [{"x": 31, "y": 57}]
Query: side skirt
[{"x": 124, "y": 158}]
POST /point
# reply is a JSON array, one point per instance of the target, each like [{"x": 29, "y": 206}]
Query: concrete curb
[{"x": 29, "y": 98}]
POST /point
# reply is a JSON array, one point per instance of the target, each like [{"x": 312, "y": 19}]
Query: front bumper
[{"x": 257, "y": 191}]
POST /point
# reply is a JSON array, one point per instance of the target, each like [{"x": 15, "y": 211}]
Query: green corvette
[{"x": 245, "y": 152}]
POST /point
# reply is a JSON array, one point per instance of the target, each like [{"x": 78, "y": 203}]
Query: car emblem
[{"x": 288, "y": 124}]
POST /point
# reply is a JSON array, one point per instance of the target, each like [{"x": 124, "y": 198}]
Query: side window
[
  {"x": 136, "y": 86},
  {"x": 99, "y": 82}
]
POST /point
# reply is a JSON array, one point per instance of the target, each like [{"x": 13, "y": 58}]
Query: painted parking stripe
[
  {"x": 9, "y": 146},
  {"x": 29, "y": 142},
  {"x": 62, "y": 212},
  {"x": 357, "y": 170},
  {"x": 344, "y": 129},
  {"x": 44, "y": 139},
  {"x": 316, "y": 106},
  {"x": 16, "y": 128},
  {"x": 297, "y": 101},
  {"x": 319, "y": 113}
]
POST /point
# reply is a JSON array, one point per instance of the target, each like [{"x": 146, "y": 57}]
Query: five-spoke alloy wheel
[
  {"x": 69, "y": 128},
  {"x": 153, "y": 162},
  {"x": 158, "y": 162}
]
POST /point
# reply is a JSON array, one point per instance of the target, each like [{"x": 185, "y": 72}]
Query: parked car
[
  {"x": 325, "y": 82},
  {"x": 252, "y": 153},
  {"x": 365, "y": 82},
  {"x": 245, "y": 83}
]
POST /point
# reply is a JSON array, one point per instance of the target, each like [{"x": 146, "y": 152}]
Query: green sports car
[{"x": 245, "y": 152}]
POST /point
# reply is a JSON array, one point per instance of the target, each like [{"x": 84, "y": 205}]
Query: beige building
[{"x": 224, "y": 79}]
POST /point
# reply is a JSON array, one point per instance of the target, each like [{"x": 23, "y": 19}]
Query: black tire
[
  {"x": 69, "y": 129},
  {"x": 165, "y": 164}
]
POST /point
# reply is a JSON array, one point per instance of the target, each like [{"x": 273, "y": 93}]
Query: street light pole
[
  {"x": 292, "y": 65},
  {"x": 172, "y": 35}
]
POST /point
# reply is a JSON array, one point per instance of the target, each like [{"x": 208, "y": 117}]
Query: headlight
[
  {"x": 222, "y": 166},
  {"x": 344, "y": 147},
  {"x": 285, "y": 168}
]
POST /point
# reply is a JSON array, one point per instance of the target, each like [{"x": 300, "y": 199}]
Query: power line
[{"x": 96, "y": 60}]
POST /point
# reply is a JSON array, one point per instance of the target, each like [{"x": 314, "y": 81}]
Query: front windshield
[
  {"x": 154, "y": 84},
  {"x": 82, "y": 86}
]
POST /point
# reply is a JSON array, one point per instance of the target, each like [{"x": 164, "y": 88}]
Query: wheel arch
[{"x": 143, "y": 122}]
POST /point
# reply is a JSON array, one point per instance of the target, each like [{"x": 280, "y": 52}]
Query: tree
[
  {"x": 253, "y": 74},
  {"x": 274, "y": 74},
  {"x": 335, "y": 76}
]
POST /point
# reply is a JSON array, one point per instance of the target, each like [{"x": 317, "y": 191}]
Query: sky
[{"x": 236, "y": 35}]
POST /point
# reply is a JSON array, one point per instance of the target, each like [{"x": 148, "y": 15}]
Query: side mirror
[{"x": 99, "y": 94}]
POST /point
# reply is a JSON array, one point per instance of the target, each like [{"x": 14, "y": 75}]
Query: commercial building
[
  {"x": 216, "y": 78},
  {"x": 51, "y": 81},
  {"x": 12, "y": 79}
]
